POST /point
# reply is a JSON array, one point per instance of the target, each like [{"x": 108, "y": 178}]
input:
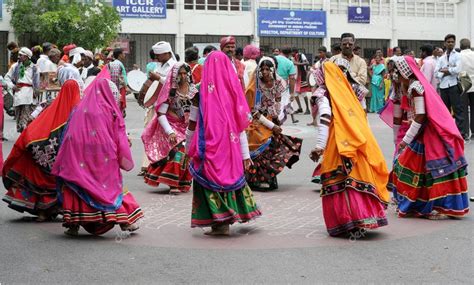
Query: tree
[{"x": 89, "y": 25}]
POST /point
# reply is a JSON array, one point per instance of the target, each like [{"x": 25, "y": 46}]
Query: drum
[
  {"x": 136, "y": 78},
  {"x": 311, "y": 79},
  {"x": 152, "y": 94},
  {"x": 147, "y": 97}
]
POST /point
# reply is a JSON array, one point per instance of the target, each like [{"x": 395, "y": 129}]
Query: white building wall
[{"x": 390, "y": 19}]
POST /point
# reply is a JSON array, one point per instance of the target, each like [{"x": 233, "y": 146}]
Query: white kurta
[{"x": 25, "y": 95}]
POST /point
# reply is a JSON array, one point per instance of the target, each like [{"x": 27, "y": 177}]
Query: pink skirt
[{"x": 350, "y": 209}]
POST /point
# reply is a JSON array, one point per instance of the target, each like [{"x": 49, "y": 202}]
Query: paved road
[{"x": 289, "y": 244}]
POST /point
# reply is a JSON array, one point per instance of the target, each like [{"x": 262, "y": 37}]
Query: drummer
[{"x": 165, "y": 61}]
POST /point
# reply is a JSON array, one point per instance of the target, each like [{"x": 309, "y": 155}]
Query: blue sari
[{"x": 378, "y": 90}]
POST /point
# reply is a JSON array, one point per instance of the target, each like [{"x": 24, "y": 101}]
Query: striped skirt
[{"x": 418, "y": 193}]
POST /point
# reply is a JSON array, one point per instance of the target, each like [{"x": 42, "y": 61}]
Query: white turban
[
  {"x": 163, "y": 47},
  {"x": 25, "y": 51},
  {"x": 89, "y": 54},
  {"x": 75, "y": 53}
]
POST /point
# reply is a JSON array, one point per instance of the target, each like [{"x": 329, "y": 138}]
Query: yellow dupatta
[
  {"x": 257, "y": 133},
  {"x": 352, "y": 156}
]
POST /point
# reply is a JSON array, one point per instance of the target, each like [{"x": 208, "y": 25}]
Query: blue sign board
[
  {"x": 141, "y": 8},
  {"x": 359, "y": 15},
  {"x": 291, "y": 23}
]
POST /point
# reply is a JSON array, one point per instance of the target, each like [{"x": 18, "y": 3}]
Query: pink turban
[
  {"x": 227, "y": 41},
  {"x": 251, "y": 52}
]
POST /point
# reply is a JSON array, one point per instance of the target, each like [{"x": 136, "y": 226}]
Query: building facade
[{"x": 405, "y": 23}]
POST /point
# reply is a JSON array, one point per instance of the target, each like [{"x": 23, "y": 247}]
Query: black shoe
[
  {"x": 307, "y": 112},
  {"x": 295, "y": 121},
  {"x": 471, "y": 199},
  {"x": 299, "y": 111}
]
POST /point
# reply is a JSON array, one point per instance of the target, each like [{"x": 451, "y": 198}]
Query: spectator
[
  {"x": 276, "y": 51},
  {"x": 302, "y": 86},
  {"x": 239, "y": 53},
  {"x": 447, "y": 70},
  {"x": 207, "y": 50},
  {"x": 357, "y": 50},
  {"x": 397, "y": 51},
  {"x": 467, "y": 100},
  {"x": 429, "y": 65},
  {"x": 358, "y": 65},
  {"x": 336, "y": 49}
]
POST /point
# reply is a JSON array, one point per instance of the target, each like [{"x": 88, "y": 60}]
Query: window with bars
[
  {"x": 292, "y": 4},
  {"x": 429, "y": 9},
  {"x": 218, "y": 5}
]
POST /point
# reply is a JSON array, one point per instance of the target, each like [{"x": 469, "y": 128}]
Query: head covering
[
  {"x": 68, "y": 48},
  {"x": 54, "y": 51},
  {"x": 163, "y": 47},
  {"x": 226, "y": 41},
  {"x": 251, "y": 52},
  {"x": 69, "y": 71},
  {"x": 402, "y": 66},
  {"x": 172, "y": 82},
  {"x": 26, "y": 51},
  {"x": 444, "y": 145},
  {"x": 89, "y": 54},
  {"x": 95, "y": 143},
  {"x": 351, "y": 138},
  {"x": 35, "y": 151},
  {"x": 76, "y": 54},
  {"x": 223, "y": 114}
]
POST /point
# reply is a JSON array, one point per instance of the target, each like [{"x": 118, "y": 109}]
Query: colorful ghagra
[
  {"x": 220, "y": 193},
  {"x": 93, "y": 149},
  {"x": 270, "y": 153},
  {"x": 429, "y": 175},
  {"x": 169, "y": 164},
  {"x": 27, "y": 170},
  {"x": 354, "y": 175}
]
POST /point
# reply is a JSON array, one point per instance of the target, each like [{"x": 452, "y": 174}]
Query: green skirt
[{"x": 211, "y": 208}]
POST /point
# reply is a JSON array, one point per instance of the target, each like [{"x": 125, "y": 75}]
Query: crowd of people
[{"x": 216, "y": 127}]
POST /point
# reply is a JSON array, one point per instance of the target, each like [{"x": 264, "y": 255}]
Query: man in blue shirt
[
  {"x": 447, "y": 69},
  {"x": 286, "y": 70}
]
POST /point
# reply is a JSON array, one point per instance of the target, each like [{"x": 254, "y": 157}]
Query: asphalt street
[{"x": 288, "y": 244}]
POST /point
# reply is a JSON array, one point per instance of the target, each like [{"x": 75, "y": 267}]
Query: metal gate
[{"x": 140, "y": 46}]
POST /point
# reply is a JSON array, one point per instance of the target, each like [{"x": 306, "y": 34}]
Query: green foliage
[{"x": 90, "y": 25}]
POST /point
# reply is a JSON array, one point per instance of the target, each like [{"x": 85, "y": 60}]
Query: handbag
[{"x": 464, "y": 82}]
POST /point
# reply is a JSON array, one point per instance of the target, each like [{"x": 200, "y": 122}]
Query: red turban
[
  {"x": 68, "y": 48},
  {"x": 227, "y": 41}
]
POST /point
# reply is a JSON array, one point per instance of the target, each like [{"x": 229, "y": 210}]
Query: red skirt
[
  {"x": 350, "y": 209},
  {"x": 96, "y": 222},
  {"x": 172, "y": 171}
]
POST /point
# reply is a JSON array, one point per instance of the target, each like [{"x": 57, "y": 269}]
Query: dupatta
[
  {"x": 94, "y": 148},
  {"x": 444, "y": 145},
  {"x": 216, "y": 158}
]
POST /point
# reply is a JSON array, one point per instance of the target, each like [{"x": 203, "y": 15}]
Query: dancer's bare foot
[
  {"x": 42, "y": 217},
  {"x": 220, "y": 230},
  {"x": 174, "y": 191},
  {"x": 72, "y": 231},
  {"x": 129, "y": 227}
]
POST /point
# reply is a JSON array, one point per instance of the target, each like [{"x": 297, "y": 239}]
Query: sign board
[
  {"x": 291, "y": 23},
  {"x": 359, "y": 15},
  {"x": 141, "y": 8},
  {"x": 124, "y": 44}
]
